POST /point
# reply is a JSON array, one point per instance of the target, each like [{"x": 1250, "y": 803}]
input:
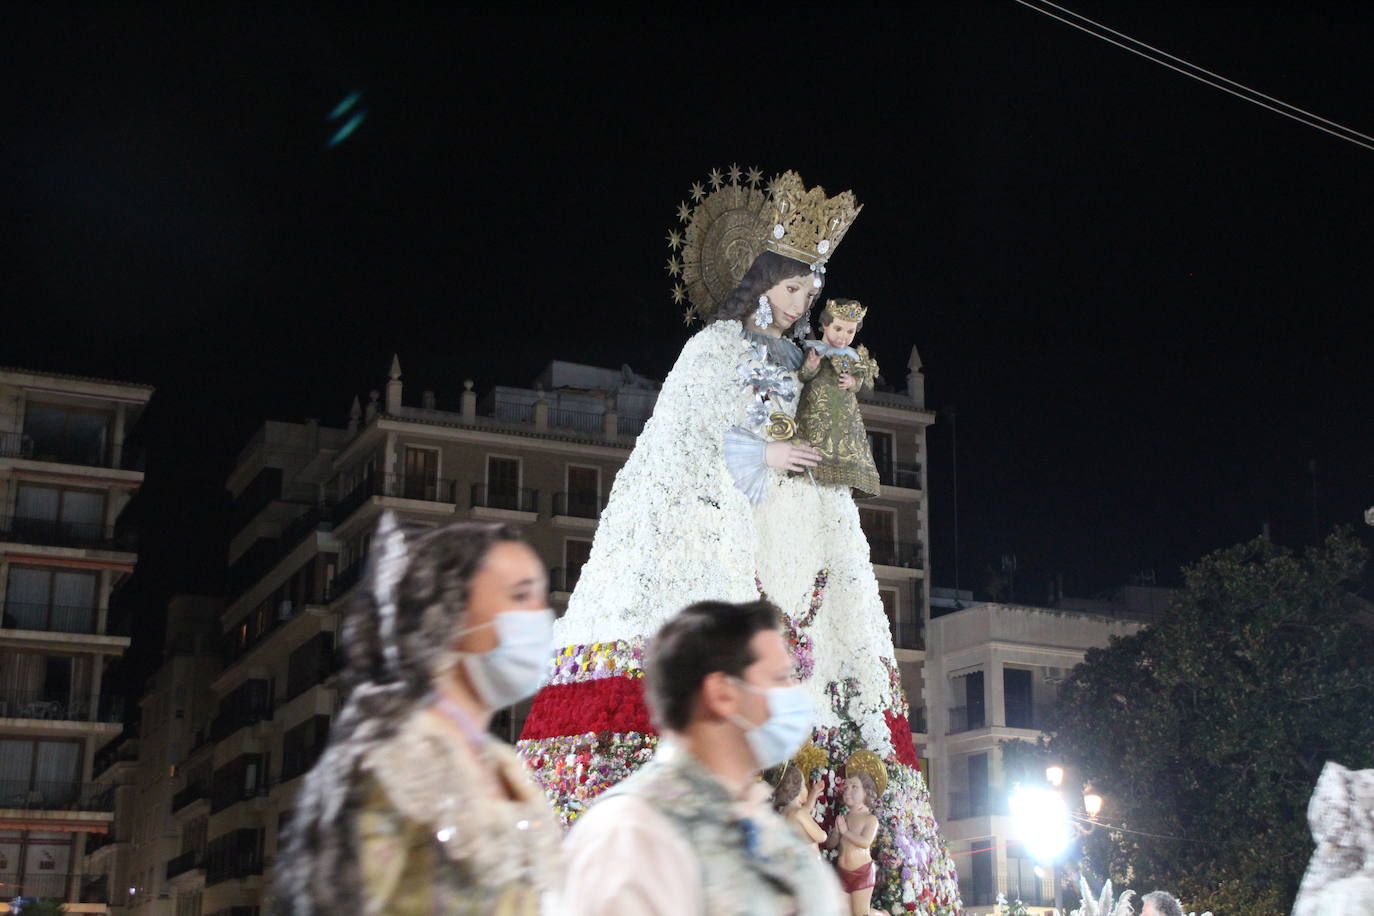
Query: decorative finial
[{"x": 395, "y": 367}]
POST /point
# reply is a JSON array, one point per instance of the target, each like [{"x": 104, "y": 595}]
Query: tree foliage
[{"x": 1209, "y": 729}]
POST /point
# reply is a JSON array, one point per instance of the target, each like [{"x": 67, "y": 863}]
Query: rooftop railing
[
  {"x": 577, "y": 504},
  {"x": 905, "y": 554}
]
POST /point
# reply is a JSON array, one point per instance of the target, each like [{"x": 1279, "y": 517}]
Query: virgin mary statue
[{"x": 710, "y": 506}]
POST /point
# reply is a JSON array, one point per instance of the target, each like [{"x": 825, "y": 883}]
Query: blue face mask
[
  {"x": 788, "y": 724},
  {"x": 518, "y": 666}
]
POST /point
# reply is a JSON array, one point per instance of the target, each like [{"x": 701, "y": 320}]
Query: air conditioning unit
[{"x": 1053, "y": 675}]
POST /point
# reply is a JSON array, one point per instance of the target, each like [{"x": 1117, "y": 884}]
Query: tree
[{"x": 1206, "y": 732}]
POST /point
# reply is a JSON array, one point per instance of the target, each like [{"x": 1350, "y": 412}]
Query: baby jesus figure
[{"x": 828, "y": 413}]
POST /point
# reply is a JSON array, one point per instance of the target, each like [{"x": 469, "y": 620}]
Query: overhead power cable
[{"x": 1201, "y": 74}]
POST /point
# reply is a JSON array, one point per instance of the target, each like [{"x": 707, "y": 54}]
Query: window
[
  {"x": 421, "y": 476},
  {"x": 43, "y": 511},
  {"x": 54, "y": 600},
  {"x": 984, "y": 891},
  {"x": 39, "y": 771},
  {"x": 978, "y": 784},
  {"x": 503, "y": 482},
  {"x": 1016, "y": 691},
  {"x": 575, "y": 554},
  {"x": 968, "y": 693},
  {"x": 584, "y": 492},
  {"x": 66, "y": 434},
  {"x": 884, "y": 451}
]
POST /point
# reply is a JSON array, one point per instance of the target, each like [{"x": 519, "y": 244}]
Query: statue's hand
[
  {"x": 813, "y": 359},
  {"x": 847, "y": 382},
  {"x": 788, "y": 457}
]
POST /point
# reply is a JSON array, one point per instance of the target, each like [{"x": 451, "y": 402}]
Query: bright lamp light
[
  {"x": 1054, "y": 776},
  {"x": 1041, "y": 822},
  {"x": 1092, "y": 803}
]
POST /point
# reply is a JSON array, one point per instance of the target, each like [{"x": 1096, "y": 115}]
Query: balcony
[
  {"x": 31, "y": 795},
  {"x": 399, "y": 486},
  {"x": 577, "y": 505},
  {"x": 587, "y": 421},
  {"x": 192, "y": 858},
  {"x": 564, "y": 580},
  {"x": 310, "y": 664},
  {"x": 95, "y": 889},
  {"x": 907, "y": 634},
  {"x": 905, "y": 474},
  {"x": 50, "y": 618},
  {"x": 515, "y": 499},
  {"x": 19, "y": 704},
  {"x": 966, "y": 719},
  {"x": 347, "y": 579},
  {"x": 978, "y": 894},
  {"x": 247, "y": 705},
  {"x": 52, "y": 532},
  {"x": 629, "y": 426},
  {"x": 191, "y": 793},
  {"x": 902, "y": 554},
  {"x": 233, "y": 855},
  {"x": 90, "y": 450},
  {"x": 52, "y": 885}
]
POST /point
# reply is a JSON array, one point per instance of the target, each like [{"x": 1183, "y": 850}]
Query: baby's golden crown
[{"x": 852, "y": 310}]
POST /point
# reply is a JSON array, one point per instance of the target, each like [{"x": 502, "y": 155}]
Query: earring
[
  {"x": 802, "y": 329},
  {"x": 763, "y": 315}
]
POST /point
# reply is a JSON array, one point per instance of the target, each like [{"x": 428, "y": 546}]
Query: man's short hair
[
  {"x": 1164, "y": 903},
  {"x": 702, "y": 638}
]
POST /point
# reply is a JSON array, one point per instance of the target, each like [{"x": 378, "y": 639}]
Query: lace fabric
[{"x": 1340, "y": 875}]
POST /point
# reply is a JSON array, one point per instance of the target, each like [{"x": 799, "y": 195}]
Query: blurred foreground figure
[
  {"x": 1340, "y": 876},
  {"x": 693, "y": 831},
  {"x": 414, "y": 807}
]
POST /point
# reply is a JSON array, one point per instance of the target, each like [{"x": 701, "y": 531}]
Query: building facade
[
  {"x": 992, "y": 672},
  {"x": 65, "y": 477}
]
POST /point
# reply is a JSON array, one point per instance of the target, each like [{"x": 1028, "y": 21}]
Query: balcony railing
[
  {"x": 34, "y": 795},
  {"x": 513, "y": 412},
  {"x": 51, "y": 618},
  {"x": 905, "y": 554},
  {"x": 629, "y": 426},
  {"x": 577, "y": 505},
  {"x": 248, "y": 704},
  {"x": 978, "y": 894},
  {"x": 49, "y": 885},
  {"x": 88, "y": 451},
  {"x": 519, "y": 499},
  {"x": 901, "y": 474},
  {"x": 191, "y": 793},
  {"x": 95, "y": 889},
  {"x": 907, "y": 634},
  {"x": 966, "y": 719},
  {"x": 564, "y": 580},
  {"x": 347, "y": 579},
  {"x": 588, "y": 421},
  {"x": 191, "y": 858},
  {"x": 52, "y": 532},
  {"x": 20, "y": 704}
]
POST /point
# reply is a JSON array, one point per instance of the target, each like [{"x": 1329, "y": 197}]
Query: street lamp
[{"x": 1045, "y": 824}]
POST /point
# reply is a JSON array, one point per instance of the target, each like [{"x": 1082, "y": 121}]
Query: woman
[
  {"x": 708, "y": 508},
  {"x": 414, "y": 807}
]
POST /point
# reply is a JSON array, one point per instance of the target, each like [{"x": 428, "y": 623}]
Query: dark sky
[{"x": 1146, "y": 298}]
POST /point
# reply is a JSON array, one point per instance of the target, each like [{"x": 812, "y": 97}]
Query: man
[
  {"x": 1158, "y": 903},
  {"x": 692, "y": 831}
]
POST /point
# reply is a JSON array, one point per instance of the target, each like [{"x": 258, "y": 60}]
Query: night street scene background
[{"x": 1145, "y": 300}]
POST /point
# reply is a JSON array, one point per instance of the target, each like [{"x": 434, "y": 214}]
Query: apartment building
[
  {"x": 65, "y": 477},
  {"x": 992, "y": 672}
]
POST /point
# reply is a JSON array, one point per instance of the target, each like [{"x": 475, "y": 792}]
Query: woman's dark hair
[
  {"x": 788, "y": 786},
  {"x": 768, "y": 270},
  {"x": 384, "y": 679},
  {"x": 703, "y": 638},
  {"x": 827, "y": 316}
]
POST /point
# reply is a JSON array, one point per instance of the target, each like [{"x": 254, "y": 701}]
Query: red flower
[
  {"x": 900, "y": 730},
  {"x": 611, "y": 704}
]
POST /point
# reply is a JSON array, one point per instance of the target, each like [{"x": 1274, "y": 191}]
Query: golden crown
[
  {"x": 849, "y": 311},
  {"x": 734, "y": 222},
  {"x": 806, "y": 225},
  {"x": 865, "y": 761}
]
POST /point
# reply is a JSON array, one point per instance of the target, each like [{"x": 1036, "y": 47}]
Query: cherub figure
[
  {"x": 856, "y": 829},
  {"x": 794, "y": 798},
  {"x": 828, "y": 413}
]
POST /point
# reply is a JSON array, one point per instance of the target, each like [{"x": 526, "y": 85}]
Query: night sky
[{"x": 1146, "y": 298}]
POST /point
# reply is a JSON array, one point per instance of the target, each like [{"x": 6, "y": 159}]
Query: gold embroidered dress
[
  {"x": 828, "y": 418},
  {"x": 434, "y": 835}
]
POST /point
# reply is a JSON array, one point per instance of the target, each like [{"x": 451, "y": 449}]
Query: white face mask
[
  {"x": 519, "y": 664},
  {"x": 788, "y": 724}
]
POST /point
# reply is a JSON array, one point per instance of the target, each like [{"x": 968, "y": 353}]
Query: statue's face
[
  {"x": 791, "y": 298},
  {"x": 840, "y": 333},
  {"x": 801, "y": 793},
  {"x": 854, "y": 794}
]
